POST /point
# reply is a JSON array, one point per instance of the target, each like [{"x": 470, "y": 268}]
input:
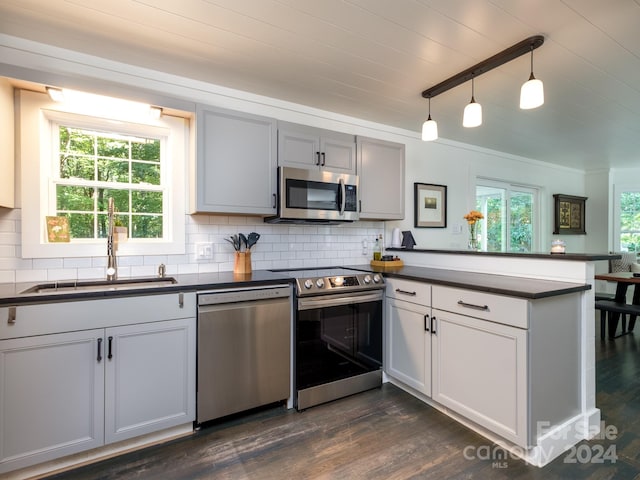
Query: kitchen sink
[{"x": 101, "y": 285}]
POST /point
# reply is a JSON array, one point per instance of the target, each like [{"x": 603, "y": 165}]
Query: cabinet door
[
  {"x": 338, "y": 152},
  {"x": 52, "y": 397},
  {"x": 409, "y": 344},
  {"x": 150, "y": 377},
  {"x": 236, "y": 168},
  {"x": 381, "y": 173},
  {"x": 480, "y": 371},
  {"x": 298, "y": 146}
]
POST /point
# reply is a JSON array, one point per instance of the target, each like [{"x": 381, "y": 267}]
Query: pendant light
[
  {"x": 472, "y": 112},
  {"x": 429, "y": 127},
  {"x": 532, "y": 91}
]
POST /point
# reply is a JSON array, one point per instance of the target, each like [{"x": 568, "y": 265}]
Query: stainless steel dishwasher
[{"x": 244, "y": 349}]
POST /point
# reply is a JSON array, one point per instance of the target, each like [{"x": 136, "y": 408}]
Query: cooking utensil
[
  {"x": 243, "y": 239},
  {"x": 252, "y": 239}
]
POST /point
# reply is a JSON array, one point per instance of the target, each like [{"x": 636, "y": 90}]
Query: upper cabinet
[
  {"x": 381, "y": 173},
  {"x": 236, "y": 163},
  {"x": 300, "y": 146},
  {"x": 7, "y": 140}
]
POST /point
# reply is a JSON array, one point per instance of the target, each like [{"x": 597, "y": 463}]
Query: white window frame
[
  {"x": 617, "y": 231},
  {"x": 514, "y": 187},
  {"x": 38, "y": 117}
]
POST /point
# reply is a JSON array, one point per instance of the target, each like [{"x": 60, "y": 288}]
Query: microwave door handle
[{"x": 343, "y": 196}]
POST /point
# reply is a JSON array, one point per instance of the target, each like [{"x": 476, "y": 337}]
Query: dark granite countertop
[
  {"x": 581, "y": 257},
  {"x": 11, "y": 293},
  {"x": 483, "y": 282}
]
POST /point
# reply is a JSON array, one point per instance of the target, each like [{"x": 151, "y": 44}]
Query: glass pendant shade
[
  {"x": 472, "y": 115},
  {"x": 429, "y": 130},
  {"x": 531, "y": 93}
]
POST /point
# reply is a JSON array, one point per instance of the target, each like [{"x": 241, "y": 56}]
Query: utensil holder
[{"x": 242, "y": 263}]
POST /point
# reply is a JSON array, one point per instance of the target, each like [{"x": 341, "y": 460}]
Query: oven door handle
[{"x": 335, "y": 300}]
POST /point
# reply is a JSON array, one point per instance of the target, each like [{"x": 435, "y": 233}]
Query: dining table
[{"x": 623, "y": 281}]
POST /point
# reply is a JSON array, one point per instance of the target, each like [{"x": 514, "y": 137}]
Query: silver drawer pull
[
  {"x": 471, "y": 305},
  {"x": 405, "y": 292},
  {"x": 12, "y": 316}
]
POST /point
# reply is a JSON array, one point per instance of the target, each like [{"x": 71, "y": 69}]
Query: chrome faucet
[{"x": 112, "y": 264}]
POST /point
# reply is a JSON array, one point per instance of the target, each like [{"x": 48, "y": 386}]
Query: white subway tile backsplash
[{"x": 280, "y": 246}]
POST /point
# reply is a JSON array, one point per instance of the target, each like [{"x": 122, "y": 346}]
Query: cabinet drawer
[
  {"x": 410, "y": 291},
  {"x": 496, "y": 308}
]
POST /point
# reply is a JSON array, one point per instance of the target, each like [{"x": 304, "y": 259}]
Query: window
[
  {"x": 628, "y": 221},
  {"x": 510, "y": 216},
  {"x": 76, "y": 156},
  {"x": 93, "y": 166}
]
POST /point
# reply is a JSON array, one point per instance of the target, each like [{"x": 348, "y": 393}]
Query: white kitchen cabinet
[
  {"x": 381, "y": 172},
  {"x": 52, "y": 397},
  {"x": 236, "y": 163},
  {"x": 408, "y": 356},
  {"x": 149, "y": 380},
  {"x": 63, "y": 393},
  {"x": 300, "y": 146},
  {"x": 7, "y": 141},
  {"x": 480, "y": 371}
]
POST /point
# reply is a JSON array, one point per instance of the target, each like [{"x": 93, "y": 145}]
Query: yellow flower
[{"x": 473, "y": 216}]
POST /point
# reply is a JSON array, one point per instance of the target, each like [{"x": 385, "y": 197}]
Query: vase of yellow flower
[{"x": 472, "y": 219}]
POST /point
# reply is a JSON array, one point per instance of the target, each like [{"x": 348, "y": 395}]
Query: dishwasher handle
[{"x": 235, "y": 295}]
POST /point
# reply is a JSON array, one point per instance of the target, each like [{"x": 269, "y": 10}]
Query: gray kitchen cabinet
[
  {"x": 236, "y": 163},
  {"x": 300, "y": 146},
  {"x": 381, "y": 171},
  {"x": 408, "y": 356},
  {"x": 52, "y": 397},
  {"x": 7, "y": 160},
  {"x": 63, "y": 393}
]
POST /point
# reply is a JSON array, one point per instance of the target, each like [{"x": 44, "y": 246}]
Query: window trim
[
  {"x": 37, "y": 113},
  {"x": 618, "y": 190}
]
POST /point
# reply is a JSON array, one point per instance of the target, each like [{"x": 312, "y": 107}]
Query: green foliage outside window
[
  {"x": 131, "y": 168},
  {"x": 630, "y": 221}
]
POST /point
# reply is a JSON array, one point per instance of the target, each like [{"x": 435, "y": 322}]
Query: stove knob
[
  {"x": 367, "y": 279},
  {"x": 376, "y": 278},
  {"x": 308, "y": 284},
  {"x": 320, "y": 283}
]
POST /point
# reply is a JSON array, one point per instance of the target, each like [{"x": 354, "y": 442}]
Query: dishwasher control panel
[{"x": 243, "y": 295}]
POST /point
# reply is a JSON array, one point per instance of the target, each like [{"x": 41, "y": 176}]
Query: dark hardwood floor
[{"x": 386, "y": 434}]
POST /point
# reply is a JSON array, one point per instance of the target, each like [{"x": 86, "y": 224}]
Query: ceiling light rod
[{"x": 514, "y": 51}]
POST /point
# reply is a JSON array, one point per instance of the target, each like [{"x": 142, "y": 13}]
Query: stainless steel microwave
[{"x": 315, "y": 196}]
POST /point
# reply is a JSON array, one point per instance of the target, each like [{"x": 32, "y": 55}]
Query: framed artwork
[
  {"x": 569, "y": 215},
  {"x": 430, "y": 209},
  {"x": 57, "y": 229}
]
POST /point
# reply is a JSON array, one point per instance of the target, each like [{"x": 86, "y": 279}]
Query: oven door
[{"x": 338, "y": 336}]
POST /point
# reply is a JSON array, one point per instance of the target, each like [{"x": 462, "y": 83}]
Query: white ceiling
[{"x": 371, "y": 59}]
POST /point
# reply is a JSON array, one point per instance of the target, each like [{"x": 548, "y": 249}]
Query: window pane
[
  {"x": 521, "y": 213},
  {"x": 630, "y": 221},
  {"x": 147, "y": 226},
  {"x": 149, "y": 150},
  {"x": 146, "y": 202},
  {"x": 77, "y": 167},
  {"x": 74, "y": 198},
  {"x": 113, "y": 171},
  {"x": 114, "y": 148},
  {"x": 81, "y": 225},
  {"x": 145, "y": 173},
  {"x": 120, "y": 199},
  {"x": 78, "y": 141}
]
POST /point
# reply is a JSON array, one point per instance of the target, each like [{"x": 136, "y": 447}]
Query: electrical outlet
[
  {"x": 204, "y": 251},
  {"x": 457, "y": 228}
]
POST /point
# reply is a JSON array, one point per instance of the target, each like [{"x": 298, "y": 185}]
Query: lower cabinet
[
  {"x": 409, "y": 344},
  {"x": 69, "y": 392},
  {"x": 480, "y": 371}
]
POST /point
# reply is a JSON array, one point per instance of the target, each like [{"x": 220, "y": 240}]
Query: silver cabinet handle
[
  {"x": 11, "y": 319},
  {"x": 405, "y": 292},
  {"x": 471, "y": 305}
]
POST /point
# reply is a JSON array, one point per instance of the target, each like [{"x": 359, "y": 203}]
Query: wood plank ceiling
[{"x": 371, "y": 59}]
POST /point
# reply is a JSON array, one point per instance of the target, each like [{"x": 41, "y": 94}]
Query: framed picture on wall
[
  {"x": 430, "y": 209},
  {"x": 569, "y": 215}
]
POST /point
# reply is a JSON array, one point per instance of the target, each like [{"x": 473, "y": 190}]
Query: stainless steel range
[{"x": 338, "y": 333}]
